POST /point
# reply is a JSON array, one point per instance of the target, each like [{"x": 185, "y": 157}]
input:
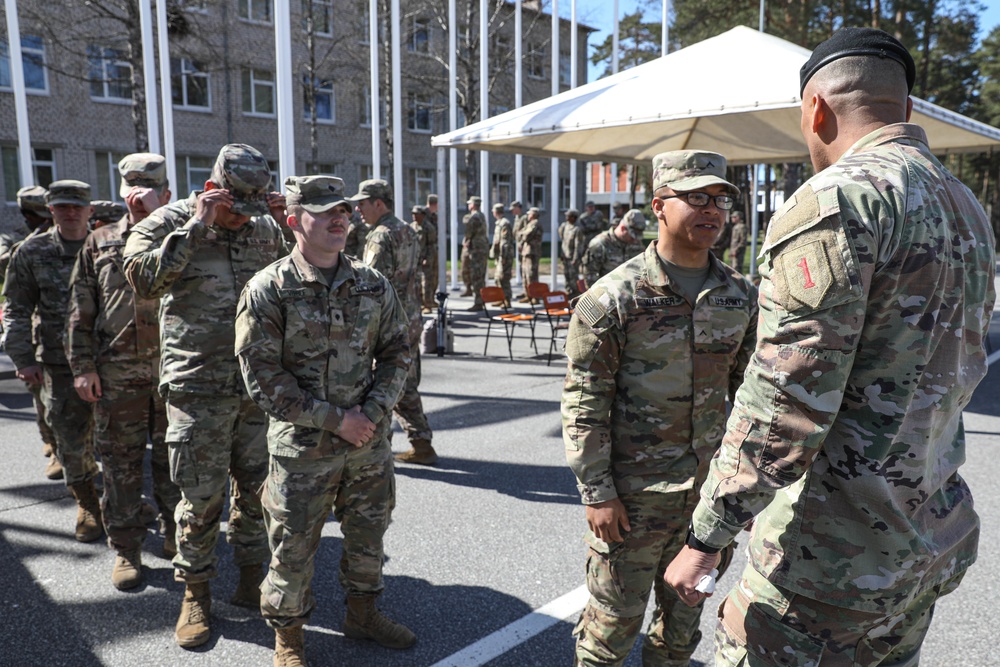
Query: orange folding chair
[
  {"x": 556, "y": 308},
  {"x": 535, "y": 292},
  {"x": 510, "y": 320}
]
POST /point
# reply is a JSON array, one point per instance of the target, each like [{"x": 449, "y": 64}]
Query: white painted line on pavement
[
  {"x": 494, "y": 645},
  {"x": 993, "y": 357}
]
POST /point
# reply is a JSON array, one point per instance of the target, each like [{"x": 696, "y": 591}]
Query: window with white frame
[
  {"x": 256, "y": 11},
  {"x": 200, "y": 6},
  {"x": 319, "y": 95},
  {"x": 192, "y": 172},
  {"x": 501, "y": 191},
  {"x": 420, "y": 36},
  {"x": 322, "y": 16},
  {"x": 536, "y": 192},
  {"x": 329, "y": 168},
  {"x": 365, "y": 173},
  {"x": 421, "y": 184},
  {"x": 564, "y": 67},
  {"x": 534, "y": 62},
  {"x": 189, "y": 84},
  {"x": 418, "y": 115},
  {"x": 501, "y": 55},
  {"x": 109, "y": 179},
  {"x": 33, "y": 59},
  {"x": 110, "y": 74},
  {"x": 258, "y": 92},
  {"x": 366, "y": 109},
  {"x": 564, "y": 202},
  {"x": 43, "y": 169}
]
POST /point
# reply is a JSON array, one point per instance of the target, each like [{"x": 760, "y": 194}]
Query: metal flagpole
[
  {"x": 397, "y": 115},
  {"x": 283, "y": 87},
  {"x": 167, "y": 106},
  {"x": 613, "y": 190},
  {"x": 665, "y": 29},
  {"x": 484, "y": 110},
  {"x": 373, "y": 86},
  {"x": 518, "y": 99},
  {"x": 451, "y": 214},
  {"x": 554, "y": 198},
  {"x": 24, "y": 156},
  {"x": 573, "y": 172},
  {"x": 149, "y": 75}
]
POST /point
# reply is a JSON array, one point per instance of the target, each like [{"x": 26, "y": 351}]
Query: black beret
[{"x": 858, "y": 42}]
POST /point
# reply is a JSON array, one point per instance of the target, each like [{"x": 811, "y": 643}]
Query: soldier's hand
[
  {"x": 276, "y": 206},
  {"x": 606, "y": 518},
  {"x": 31, "y": 375},
  {"x": 141, "y": 202},
  {"x": 88, "y": 387},
  {"x": 356, "y": 428},
  {"x": 686, "y": 570},
  {"x": 210, "y": 202}
]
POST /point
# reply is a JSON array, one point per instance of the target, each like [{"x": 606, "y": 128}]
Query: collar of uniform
[
  {"x": 656, "y": 271},
  {"x": 123, "y": 225},
  {"x": 888, "y": 134},
  {"x": 311, "y": 274},
  {"x": 386, "y": 219}
]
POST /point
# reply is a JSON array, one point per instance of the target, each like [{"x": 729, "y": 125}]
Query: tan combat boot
[
  {"x": 192, "y": 625},
  {"x": 127, "y": 572},
  {"x": 421, "y": 453},
  {"x": 364, "y": 621},
  {"x": 247, "y": 592},
  {"x": 47, "y": 450},
  {"x": 54, "y": 469},
  {"x": 467, "y": 292},
  {"x": 88, "y": 511},
  {"x": 289, "y": 647}
]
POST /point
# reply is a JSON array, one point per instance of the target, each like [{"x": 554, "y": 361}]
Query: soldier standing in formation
[
  {"x": 393, "y": 250},
  {"x": 591, "y": 223},
  {"x": 474, "y": 248},
  {"x": 113, "y": 349},
  {"x": 655, "y": 347},
  {"x": 618, "y": 211},
  {"x": 520, "y": 222},
  {"x": 196, "y": 255},
  {"x": 428, "y": 269},
  {"x": 613, "y": 247},
  {"x": 571, "y": 249},
  {"x": 37, "y": 286},
  {"x": 737, "y": 241},
  {"x": 330, "y": 425},
  {"x": 502, "y": 252},
  {"x": 105, "y": 212},
  {"x": 846, "y": 438},
  {"x": 356, "y": 236}
]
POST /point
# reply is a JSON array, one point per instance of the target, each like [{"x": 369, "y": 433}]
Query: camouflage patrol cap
[
  {"x": 32, "y": 199},
  {"x": 517, "y": 203},
  {"x": 683, "y": 171},
  {"x": 147, "y": 170},
  {"x": 416, "y": 208},
  {"x": 572, "y": 213},
  {"x": 535, "y": 210},
  {"x": 498, "y": 206},
  {"x": 635, "y": 220},
  {"x": 316, "y": 193},
  {"x": 478, "y": 201},
  {"x": 589, "y": 203},
  {"x": 243, "y": 171},
  {"x": 76, "y": 193},
  {"x": 374, "y": 188},
  {"x": 432, "y": 199},
  {"x": 107, "y": 211}
]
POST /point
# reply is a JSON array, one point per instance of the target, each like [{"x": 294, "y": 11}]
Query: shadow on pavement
[{"x": 546, "y": 484}]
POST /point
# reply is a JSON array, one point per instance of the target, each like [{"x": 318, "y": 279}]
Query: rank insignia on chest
[{"x": 727, "y": 301}]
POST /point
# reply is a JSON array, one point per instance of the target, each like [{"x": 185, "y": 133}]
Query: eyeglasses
[{"x": 700, "y": 199}]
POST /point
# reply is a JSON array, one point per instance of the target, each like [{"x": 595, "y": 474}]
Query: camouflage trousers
[
  {"x": 571, "y": 273},
  {"x": 762, "y": 624},
  {"x": 211, "y": 438},
  {"x": 503, "y": 273},
  {"x": 409, "y": 410},
  {"x": 72, "y": 422},
  {"x": 125, "y": 419},
  {"x": 620, "y": 576},
  {"x": 428, "y": 284},
  {"x": 474, "y": 272},
  {"x": 43, "y": 428},
  {"x": 359, "y": 484},
  {"x": 736, "y": 258},
  {"x": 529, "y": 270}
]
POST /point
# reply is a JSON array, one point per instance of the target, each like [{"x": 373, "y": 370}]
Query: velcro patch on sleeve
[{"x": 590, "y": 310}]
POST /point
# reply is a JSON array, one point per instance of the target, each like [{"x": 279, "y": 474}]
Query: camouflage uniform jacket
[
  {"x": 590, "y": 225},
  {"x": 503, "y": 248},
  {"x": 197, "y": 273},
  {"x": 605, "y": 252},
  {"x": 357, "y": 235},
  {"x": 476, "y": 232},
  {"x": 738, "y": 237},
  {"x": 644, "y": 404},
  {"x": 519, "y": 224},
  {"x": 427, "y": 238},
  {"x": 10, "y": 241},
  {"x": 530, "y": 240},
  {"x": 846, "y": 437},
  {"x": 571, "y": 245},
  {"x": 309, "y": 351},
  {"x": 37, "y": 292},
  {"x": 108, "y": 326},
  {"x": 393, "y": 250}
]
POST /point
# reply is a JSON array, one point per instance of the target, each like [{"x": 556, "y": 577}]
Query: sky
[{"x": 598, "y": 14}]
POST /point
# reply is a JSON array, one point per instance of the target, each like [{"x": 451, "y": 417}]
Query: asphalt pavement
[{"x": 485, "y": 557}]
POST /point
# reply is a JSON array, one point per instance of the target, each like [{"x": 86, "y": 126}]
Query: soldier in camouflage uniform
[
  {"x": 846, "y": 438},
  {"x": 613, "y": 247},
  {"x": 428, "y": 268},
  {"x": 655, "y": 347},
  {"x": 37, "y": 220},
  {"x": 113, "y": 348},
  {"x": 328, "y": 437},
  {"x": 529, "y": 244},
  {"x": 591, "y": 223},
  {"x": 196, "y": 255},
  {"x": 393, "y": 250},
  {"x": 571, "y": 249},
  {"x": 105, "y": 212},
  {"x": 618, "y": 211},
  {"x": 357, "y": 236},
  {"x": 737, "y": 241},
  {"x": 475, "y": 245},
  {"x": 520, "y": 220},
  {"x": 37, "y": 286},
  {"x": 502, "y": 251}
]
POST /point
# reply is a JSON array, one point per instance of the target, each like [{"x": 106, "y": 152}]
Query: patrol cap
[
  {"x": 498, "y": 206},
  {"x": 689, "y": 170},
  {"x": 315, "y": 194},
  {"x": 76, "y": 193},
  {"x": 535, "y": 210},
  {"x": 32, "y": 199},
  {"x": 517, "y": 203},
  {"x": 147, "y": 170},
  {"x": 243, "y": 171},
  {"x": 857, "y": 42},
  {"x": 107, "y": 211},
  {"x": 589, "y": 203},
  {"x": 572, "y": 213},
  {"x": 418, "y": 209},
  {"x": 478, "y": 201},
  {"x": 432, "y": 198},
  {"x": 635, "y": 220},
  {"x": 374, "y": 188}
]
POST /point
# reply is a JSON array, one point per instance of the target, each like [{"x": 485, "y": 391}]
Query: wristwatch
[{"x": 698, "y": 545}]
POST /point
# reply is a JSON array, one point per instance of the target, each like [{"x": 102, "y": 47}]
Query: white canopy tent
[{"x": 693, "y": 98}]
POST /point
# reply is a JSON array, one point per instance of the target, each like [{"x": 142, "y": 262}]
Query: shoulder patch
[
  {"x": 815, "y": 270},
  {"x": 590, "y": 310}
]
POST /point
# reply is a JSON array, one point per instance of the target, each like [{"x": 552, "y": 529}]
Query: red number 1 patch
[{"x": 804, "y": 265}]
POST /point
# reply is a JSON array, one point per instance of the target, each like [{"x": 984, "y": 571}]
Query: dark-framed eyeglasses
[{"x": 700, "y": 199}]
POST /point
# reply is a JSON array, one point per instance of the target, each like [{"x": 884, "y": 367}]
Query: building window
[
  {"x": 322, "y": 16},
  {"x": 200, "y": 6},
  {"x": 192, "y": 172},
  {"x": 536, "y": 191},
  {"x": 497, "y": 109},
  {"x": 501, "y": 191},
  {"x": 319, "y": 94},
  {"x": 564, "y": 67},
  {"x": 328, "y": 168},
  {"x": 421, "y": 184},
  {"x": 420, "y": 36},
  {"x": 501, "y": 55},
  {"x": 366, "y": 109},
  {"x": 534, "y": 63},
  {"x": 364, "y": 173},
  {"x": 257, "y": 11},
  {"x": 189, "y": 84},
  {"x": 418, "y": 115},
  {"x": 564, "y": 202},
  {"x": 258, "y": 92},
  {"x": 109, "y": 180},
  {"x": 110, "y": 74},
  {"x": 43, "y": 169},
  {"x": 33, "y": 59}
]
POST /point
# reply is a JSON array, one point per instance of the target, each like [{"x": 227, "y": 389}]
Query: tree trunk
[{"x": 138, "y": 82}]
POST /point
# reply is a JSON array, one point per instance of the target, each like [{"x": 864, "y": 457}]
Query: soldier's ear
[{"x": 292, "y": 221}]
